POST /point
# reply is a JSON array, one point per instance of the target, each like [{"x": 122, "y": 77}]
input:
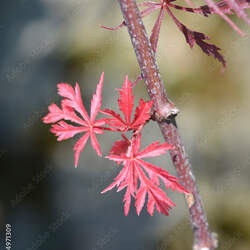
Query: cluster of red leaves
[
  {"x": 221, "y": 8},
  {"x": 139, "y": 177}
]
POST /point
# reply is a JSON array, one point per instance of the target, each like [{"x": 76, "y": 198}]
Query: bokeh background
[{"x": 52, "y": 205}]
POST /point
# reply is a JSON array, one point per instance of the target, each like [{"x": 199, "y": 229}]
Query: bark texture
[{"x": 165, "y": 112}]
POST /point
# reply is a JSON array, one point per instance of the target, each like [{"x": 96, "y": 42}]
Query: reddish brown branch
[
  {"x": 164, "y": 114},
  {"x": 162, "y": 105},
  {"x": 203, "y": 239}
]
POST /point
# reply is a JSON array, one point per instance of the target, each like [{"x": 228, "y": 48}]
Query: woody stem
[{"x": 165, "y": 111}]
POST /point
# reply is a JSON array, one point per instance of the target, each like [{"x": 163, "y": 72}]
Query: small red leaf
[
  {"x": 135, "y": 170},
  {"x": 126, "y": 104},
  {"x": 72, "y": 103}
]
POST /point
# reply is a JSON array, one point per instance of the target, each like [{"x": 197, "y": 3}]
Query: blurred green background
[{"x": 52, "y": 205}]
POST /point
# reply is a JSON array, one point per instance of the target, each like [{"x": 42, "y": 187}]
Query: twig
[
  {"x": 163, "y": 107},
  {"x": 165, "y": 111}
]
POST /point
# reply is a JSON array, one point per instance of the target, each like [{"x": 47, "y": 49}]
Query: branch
[
  {"x": 163, "y": 107},
  {"x": 165, "y": 111}
]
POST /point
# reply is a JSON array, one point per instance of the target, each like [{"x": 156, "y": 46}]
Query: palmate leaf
[
  {"x": 136, "y": 171},
  {"x": 88, "y": 124},
  {"x": 126, "y": 105}
]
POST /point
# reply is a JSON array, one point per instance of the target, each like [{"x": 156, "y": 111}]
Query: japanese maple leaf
[
  {"x": 87, "y": 124},
  {"x": 136, "y": 170},
  {"x": 126, "y": 104}
]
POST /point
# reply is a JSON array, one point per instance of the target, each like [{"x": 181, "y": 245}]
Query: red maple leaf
[
  {"x": 72, "y": 103},
  {"x": 135, "y": 169},
  {"x": 126, "y": 104}
]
